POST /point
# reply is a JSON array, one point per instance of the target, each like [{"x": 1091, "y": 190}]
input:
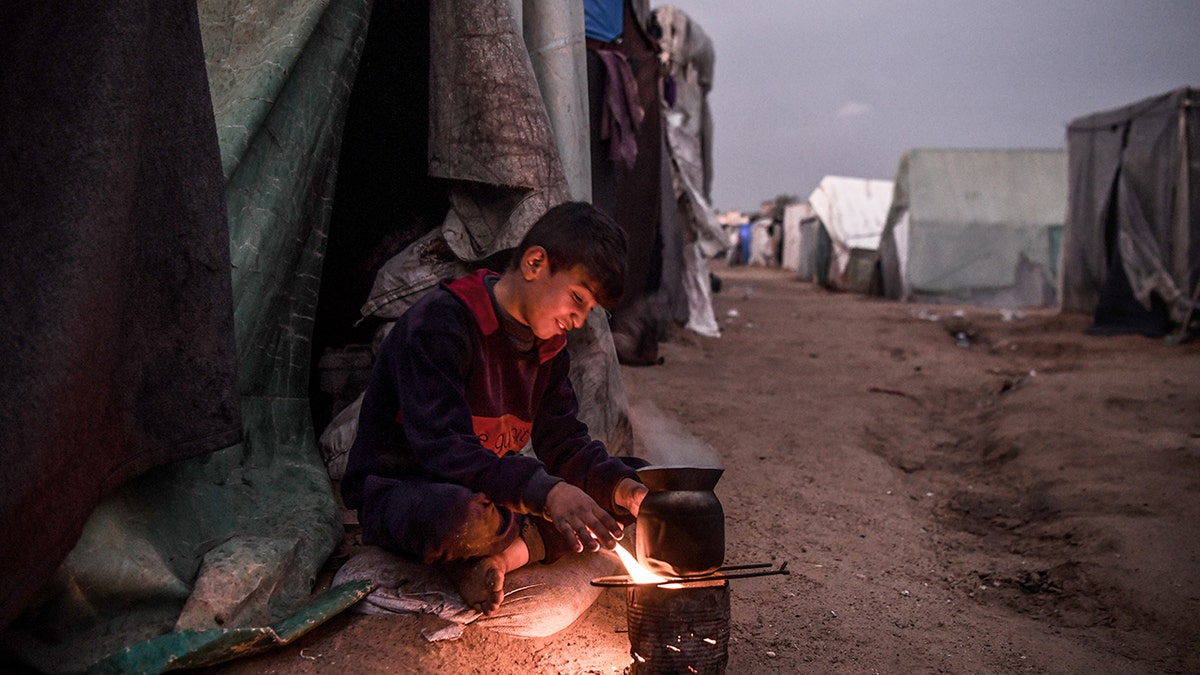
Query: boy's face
[{"x": 554, "y": 303}]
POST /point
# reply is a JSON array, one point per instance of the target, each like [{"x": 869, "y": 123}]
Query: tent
[
  {"x": 1131, "y": 249},
  {"x": 199, "y": 199},
  {"x": 690, "y": 62},
  {"x": 852, "y": 212},
  {"x": 800, "y": 225},
  {"x": 661, "y": 198},
  {"x": 977, "y": 227}
]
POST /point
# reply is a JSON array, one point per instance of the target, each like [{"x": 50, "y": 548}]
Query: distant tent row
[
  {"x": 1110, "y": 226},
  {"x": 831, "y": 238}
]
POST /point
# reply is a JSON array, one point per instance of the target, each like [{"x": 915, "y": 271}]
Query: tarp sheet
[
  {"x": 496, "y": 141},
  {"x": 117, "y": 351},
  {"x": 1131, "y": 248},
  {"x": 233, "y": 537},
  {"x": 690, "y": 64}
]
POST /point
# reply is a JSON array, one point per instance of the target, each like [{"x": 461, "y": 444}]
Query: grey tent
[
  {"x": 690, "y": 60},
  {"x": 978, "y": 227},
  {"x": 1131, "y": 249}
]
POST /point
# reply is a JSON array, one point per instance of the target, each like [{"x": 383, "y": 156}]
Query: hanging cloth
[{"x": 622, "y": 113}]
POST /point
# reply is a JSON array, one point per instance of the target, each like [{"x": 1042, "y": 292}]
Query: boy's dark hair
[{"x": 578, "y": 233}]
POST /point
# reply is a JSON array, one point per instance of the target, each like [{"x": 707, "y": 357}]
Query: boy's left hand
[{"x": 629, "y": 495}]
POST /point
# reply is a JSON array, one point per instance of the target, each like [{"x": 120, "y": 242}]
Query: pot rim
[{"x": 659, "y": 478}]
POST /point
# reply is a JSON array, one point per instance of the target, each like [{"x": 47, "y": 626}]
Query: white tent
[
  {"x": 799, "y": 239},
  {"x": 853, "y": 211}
]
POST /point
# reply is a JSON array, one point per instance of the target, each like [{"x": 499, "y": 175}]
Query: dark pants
[{"x": 439, "y": 522}]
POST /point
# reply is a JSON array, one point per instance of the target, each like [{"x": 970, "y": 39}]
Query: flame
[{"x": 637, "y": 571}]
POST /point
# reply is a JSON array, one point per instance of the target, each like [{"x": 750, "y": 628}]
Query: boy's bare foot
[{"x": 480, "y": 581}]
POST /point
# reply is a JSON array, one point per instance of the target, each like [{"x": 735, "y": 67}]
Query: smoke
[{"x": 665, "y": 442}]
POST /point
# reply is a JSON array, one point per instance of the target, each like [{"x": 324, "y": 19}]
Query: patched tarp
[
  {"x": 117, "y": 351},
  {"x": 499, "y": 136},
  {"x": 690, "y": 64},
  {"x": 233, "y": 537},
  {"x": 1131, "y": 249}
]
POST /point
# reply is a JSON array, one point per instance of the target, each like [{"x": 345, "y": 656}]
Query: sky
[{"x": 804, "y": 89}]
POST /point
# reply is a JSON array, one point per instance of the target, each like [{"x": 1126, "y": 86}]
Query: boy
[{"x": 470, "y": 373}]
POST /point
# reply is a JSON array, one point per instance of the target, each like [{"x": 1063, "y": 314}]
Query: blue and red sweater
[{"x": 452, "y": 399}]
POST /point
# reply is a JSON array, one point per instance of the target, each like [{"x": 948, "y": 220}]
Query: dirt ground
[{"x": 1028, "y": 503}]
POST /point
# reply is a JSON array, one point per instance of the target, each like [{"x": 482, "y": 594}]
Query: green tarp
[
  {"x": 235, "y": 537},
  {"x": 976, "y": 227}
]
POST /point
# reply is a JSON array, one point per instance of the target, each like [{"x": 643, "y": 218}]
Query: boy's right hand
[{"x": 580, "y": 519}]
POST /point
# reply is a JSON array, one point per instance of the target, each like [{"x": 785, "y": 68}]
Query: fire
[{"x": 637, "y": 571}]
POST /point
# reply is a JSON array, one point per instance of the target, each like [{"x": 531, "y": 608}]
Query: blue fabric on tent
[{"x": 603, "y": 20}]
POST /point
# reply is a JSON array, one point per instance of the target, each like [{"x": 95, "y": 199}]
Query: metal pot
[{"x": 681, "y": 525}]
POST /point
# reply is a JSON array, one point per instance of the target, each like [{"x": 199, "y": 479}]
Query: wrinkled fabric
[
  {"x": 622, "y": 113},
  {"x": 554, "y": 37},
  {"x": 493, "y": 141},
  {"x": 117, "y": 353},
  {"x": 691, "y": 60},
  {"x": 688, "y": 121},
  {"x": 493, "y": 135},
  {"x": 1128, "y": 173},
  {"x": 539, "y": 600},
  {"x": 633, "y": 194},
  {"x": 605, "y": 19},
  {"x": 175, "y": 546}
]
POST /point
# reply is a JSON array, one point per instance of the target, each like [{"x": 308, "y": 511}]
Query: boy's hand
[
  {"x": 580, "y": 519},
  {"x": 629, "y": 495}
]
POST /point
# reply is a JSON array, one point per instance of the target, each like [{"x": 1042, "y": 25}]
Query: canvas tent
[
  {"x": 172, "y": 467},
  {"x": 1131, "y": 249},
  {"x": 976, "y": 227},
  {"x": 852, "y": 212}
]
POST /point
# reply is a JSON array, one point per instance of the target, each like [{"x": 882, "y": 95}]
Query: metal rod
[
  {"x": 750, "y": 566},
  {"x": 625, "y": 581}
]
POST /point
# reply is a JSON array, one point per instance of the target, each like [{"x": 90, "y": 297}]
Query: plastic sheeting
[
  {"x": 234, "y": 537},
  {"x": 200, "y": 648},
  {"x": 539, "y": 600},
  {"x": 117, "y": 351},
  {"x": 690, "y": 63},
  {"x": 493, "y": 138},
  {"x": 1134, "y": 212},
  {"x": 975, "y": 227}
]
